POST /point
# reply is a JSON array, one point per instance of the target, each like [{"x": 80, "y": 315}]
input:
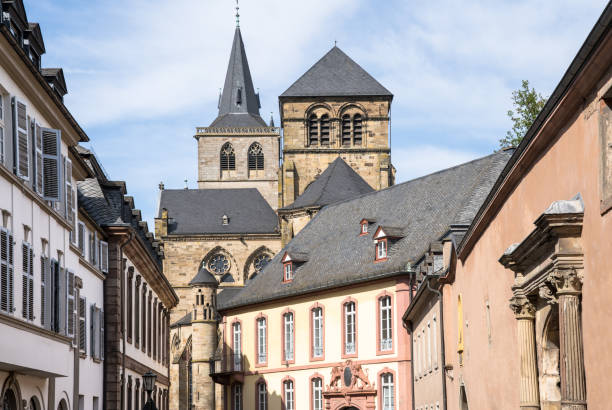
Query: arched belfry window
[
  {"x": 228, "y": 158},
  {"x": 313, "y": 130},
  {"x": 325, "y": 129},
  {"x": 357, "y": 129},
  {"x": 256, "y": 157},
  {"x": 346, "y": 129}
]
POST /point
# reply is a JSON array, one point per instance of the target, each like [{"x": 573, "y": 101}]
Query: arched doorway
[
  {"x": 550, "y": 372},
  {"x": 10, "y": 400},
  {"x": 350, "y": 408}
]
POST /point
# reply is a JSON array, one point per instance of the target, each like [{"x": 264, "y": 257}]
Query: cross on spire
[{"x": 237, "y": 15}]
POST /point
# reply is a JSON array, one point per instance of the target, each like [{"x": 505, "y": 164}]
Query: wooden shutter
[
  {"x": 21, "y": 142},
  {"x": 81, "y": 237},
  {"x": 53, "y": 294},
  {"x": 4, "y": 270},
  {"x": 104, "y": 256},
  {"x": 95, "y": 332},
  {"x": 83, "y": 325},
  {"x": 27, "y": 296},
  {"x": 51, "y": 144},
  {"x": 101, "y": 319},
  {"x": 45, "y": 292},
  {"x": 70, "y": 304},
  {"x": 61, "y": 301},
  {"x": 38, "y": 158}
]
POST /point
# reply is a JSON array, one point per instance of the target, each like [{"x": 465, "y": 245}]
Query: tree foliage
[{"x": 527, "y": 105}]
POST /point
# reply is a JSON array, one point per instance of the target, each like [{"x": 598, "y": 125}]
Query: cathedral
[{"x": 258, "y": 186}]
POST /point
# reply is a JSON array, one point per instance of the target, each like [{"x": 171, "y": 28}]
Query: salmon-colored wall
[{"x": 571, "y": 165}]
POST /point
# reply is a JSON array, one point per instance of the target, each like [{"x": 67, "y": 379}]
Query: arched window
[
  {"x": 357, "y": 129},
  {"x": 385, "y": 324},
  {"x": 317, "y": 394},
  {"x": 325, "y": 129},
  {"x": 289, "y": 398},
  {"x": 228, "y": 158},
  {"x": 288, "y": 336},
  {"x": 262, "y": 396},
  {"x": 349, "y": 328},
  {"x": 256, "y": 157},
  {"x": 346, "y": 129},
  {"x": 388, "y": 393},
  {"x": 313, "y": 130}
]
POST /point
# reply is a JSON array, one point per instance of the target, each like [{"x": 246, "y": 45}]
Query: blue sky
[{"x": 142, "y": 74}]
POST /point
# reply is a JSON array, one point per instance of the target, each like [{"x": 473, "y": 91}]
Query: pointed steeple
[{"x": 238, "y": 104}]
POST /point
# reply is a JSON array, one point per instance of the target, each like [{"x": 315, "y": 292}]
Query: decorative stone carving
[
  {"x": 547, "y": 293},
  {"x": 567, "y": 281},
  {"x": 352, "y": 375},
  {"x": 522, "y": 307}
]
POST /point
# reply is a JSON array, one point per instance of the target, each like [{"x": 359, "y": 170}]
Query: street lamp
[{"x": 148, "y": 381}]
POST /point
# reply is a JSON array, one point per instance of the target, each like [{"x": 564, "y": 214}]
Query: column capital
[
  {"x": 522, "y": 307},
  {"x": 566, "y": 281},
  {"x": 546, "y": 291}
]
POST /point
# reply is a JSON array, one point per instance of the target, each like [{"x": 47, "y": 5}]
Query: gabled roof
[
  {"x": 295, "y": 256},
  {"x": 334, "y": 75},
  {"x": 337, "y": 183},
  {"x": 389, "y": 232},
  {"x": 200, "y": 211},
  {"x": 425, "y": 207},
  {"x": 238, "y": 95}
]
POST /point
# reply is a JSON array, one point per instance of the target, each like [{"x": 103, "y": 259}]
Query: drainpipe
[
  {"x": 442, "y": 354},
  {"x": 412, "y": 280},
  {"x": 122, "y": 287}
]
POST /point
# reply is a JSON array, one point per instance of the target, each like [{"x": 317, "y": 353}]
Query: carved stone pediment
[{"x": 349, "y": 376}]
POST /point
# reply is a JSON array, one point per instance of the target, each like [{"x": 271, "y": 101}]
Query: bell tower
[{"x": 238, "y": 149}]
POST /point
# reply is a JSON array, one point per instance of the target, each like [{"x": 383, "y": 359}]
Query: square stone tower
[
  {"x": 239, "y": 150},
  {"x": 335, "y": 109}
]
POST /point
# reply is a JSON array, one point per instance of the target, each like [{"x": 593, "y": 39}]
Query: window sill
[
  {"x": 10, "y": 320},
  {"x": 348, "y": 355},
  {"x": 264, "y": 364},
  {"x": 380, "y": 260},
  {"x": 91, "y": 267},
  {"x": 384, "y": 352},
  {"x": 317, "y": 359}
]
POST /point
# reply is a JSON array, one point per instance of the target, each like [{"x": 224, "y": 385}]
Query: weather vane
[{"x": 237, "y": 15}]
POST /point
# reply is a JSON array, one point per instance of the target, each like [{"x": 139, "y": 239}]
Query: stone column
[
  {"x": 525, "y": 316},
  {"x": 573, "y": 385}
]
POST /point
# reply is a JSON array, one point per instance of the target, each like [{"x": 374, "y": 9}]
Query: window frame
[
  {"x": 2, "y": 129},
  {"x": 231, "y": 157},
  {"x": 237, "y": 399},
  {"x": 285, "y": 314},
  {"x": 394, "y": 383},
  {"x": 287, "y": 271},
  {"x": 381, "y": 244},
  {"x": 261, "y": 382},
  {"x": 345, "y": 303},
  {"x": 314, "y": 307},
  {"x": 379, "y": 328},
  {"x": 258, "y": 362},
  {"x": 285, "y": 381},
  {"x": 254, "y": 159},
  {"x": 236, "y": 323},
  {"x": 311, "y": 400}
]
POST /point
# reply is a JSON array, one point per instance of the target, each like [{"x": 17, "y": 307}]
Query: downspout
[
  {"x": 442, "y": 354},
  {"x": 122, "y": 287},
  {"x": 412, "y": 280}
]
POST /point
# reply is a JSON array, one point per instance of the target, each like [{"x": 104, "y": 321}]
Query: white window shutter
[
  {"x": 70, "y": 304},
  {"x": 38, "y": 158},
  {"x": 63, "y": 298},
  {"x": 21, "y": 141},
  {"x": 104, "y": 256},
  {"x": 51, "y": 144},
  {"x": 27, "y": 295}
]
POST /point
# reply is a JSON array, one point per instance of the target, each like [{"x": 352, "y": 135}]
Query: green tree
[{"x": 527, "y": 105}]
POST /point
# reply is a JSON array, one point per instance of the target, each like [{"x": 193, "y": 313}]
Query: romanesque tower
[
  {"x": 238, "y": 149},
  {"x": 335, "y": 109}
]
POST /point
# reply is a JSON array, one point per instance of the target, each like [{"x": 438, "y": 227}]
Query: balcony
[{"x": 228, "y": 368}]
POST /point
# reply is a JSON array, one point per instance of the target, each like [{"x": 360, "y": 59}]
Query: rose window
[
  {"x": 218, "y": 264},
  {"x": 260, "y": 262}
]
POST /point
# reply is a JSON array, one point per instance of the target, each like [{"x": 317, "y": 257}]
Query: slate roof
[
  {"x": 337, "y": 183},
  {"x": 98, "y": 207},
  {"x": 203, "y": 277},
  {"x": 184, "y": 321},
  {"x": 424, "y": 208},
  {"x": 238, "y": 81},
  {"x": 336, "y": 74},
  {"x": 200, "y": 211}
]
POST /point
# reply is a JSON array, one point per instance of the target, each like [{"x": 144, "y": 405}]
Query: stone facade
[
  {"x": 303, "y": 162},
  {"x": 210, "y": 175}
]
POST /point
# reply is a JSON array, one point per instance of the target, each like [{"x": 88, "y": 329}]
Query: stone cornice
[
  {"x": 239, "y": 131},
  {"x": 335, "y": 150},
  {"x": 224, "y": 237}
]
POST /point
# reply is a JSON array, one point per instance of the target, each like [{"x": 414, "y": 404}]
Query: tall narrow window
[
  {"x": 388, "y": 396},
  {"x": 386, "y": 330},
  {"x": 228, "y": 158},
  {"x": 237, "y": 396},
  {"x": 289, "y": 395},
  {"x": 129, "y": 298},
  {"x": 288, "y": 336},
  {"x": 434, "y": 342},
  {"x": 313, "y": 130},
  {"x": 349, "y": 328},
  {"x": 346, "y": 130},
  {"x": 357, "y": 129},
  {"x": 262, "y": 396},
  {"x": 317, "y": 394},
  {"x": 288, "y": 272},
  {"x": 237, "y": 338},
  {"x": 256, "y": 157},
  {"x": 2, "y": 129},
  {"x": 325, "y": 129},
  {"x": 381, "y": 249},
  {"x": 6, "y": 270},
  {"x": 137, "y": 312},
  {"x": 261, "y": 341},
  {"x": 429, "y": 346},
  {"x": 317, "y": 332},
  {"x": 27, "y": 295}
]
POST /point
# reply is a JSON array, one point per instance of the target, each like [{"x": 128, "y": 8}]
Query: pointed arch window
[
  {"x": 357, "y": 129},
  {"x": 346, "y": 129},
  {"x": 325, "y": 129},
  {"x": 313, "y": 130},
  {"x": 256, "y": 157},
  {"x": 228, "y": 157}
]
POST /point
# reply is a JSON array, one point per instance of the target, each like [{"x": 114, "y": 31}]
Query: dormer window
[
  {"x": 364, "y": 225},
  {"x": 381, "y": 250},
  {"x": 364, "y": 228},
  {"x": 225, "y": 220},
  {"x": 383, "y": 238},
  {"x": 288, "y": 272}
]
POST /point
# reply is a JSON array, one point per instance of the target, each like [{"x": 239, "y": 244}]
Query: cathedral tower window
[
  {"x": 256, "y": 157},
  {"x": 260, "y": 262},
  {"x": 219, "y": 264},
  {"x": 346, "y": 129},
  {"x": 313, "y": 130},
  {"x": 228, "y": 157},
  {"x": 325, "y": 129},
  {"x": 357, "y": 129}
]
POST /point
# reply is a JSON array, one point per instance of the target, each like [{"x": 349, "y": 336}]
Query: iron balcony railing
[{"x": 228, "y": 363}]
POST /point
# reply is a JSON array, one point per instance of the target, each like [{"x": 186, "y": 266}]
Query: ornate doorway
[{"x": 349, "y": 389}]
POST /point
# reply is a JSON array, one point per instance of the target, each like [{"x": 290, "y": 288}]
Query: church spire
[{"x": 238, "y": 96}]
